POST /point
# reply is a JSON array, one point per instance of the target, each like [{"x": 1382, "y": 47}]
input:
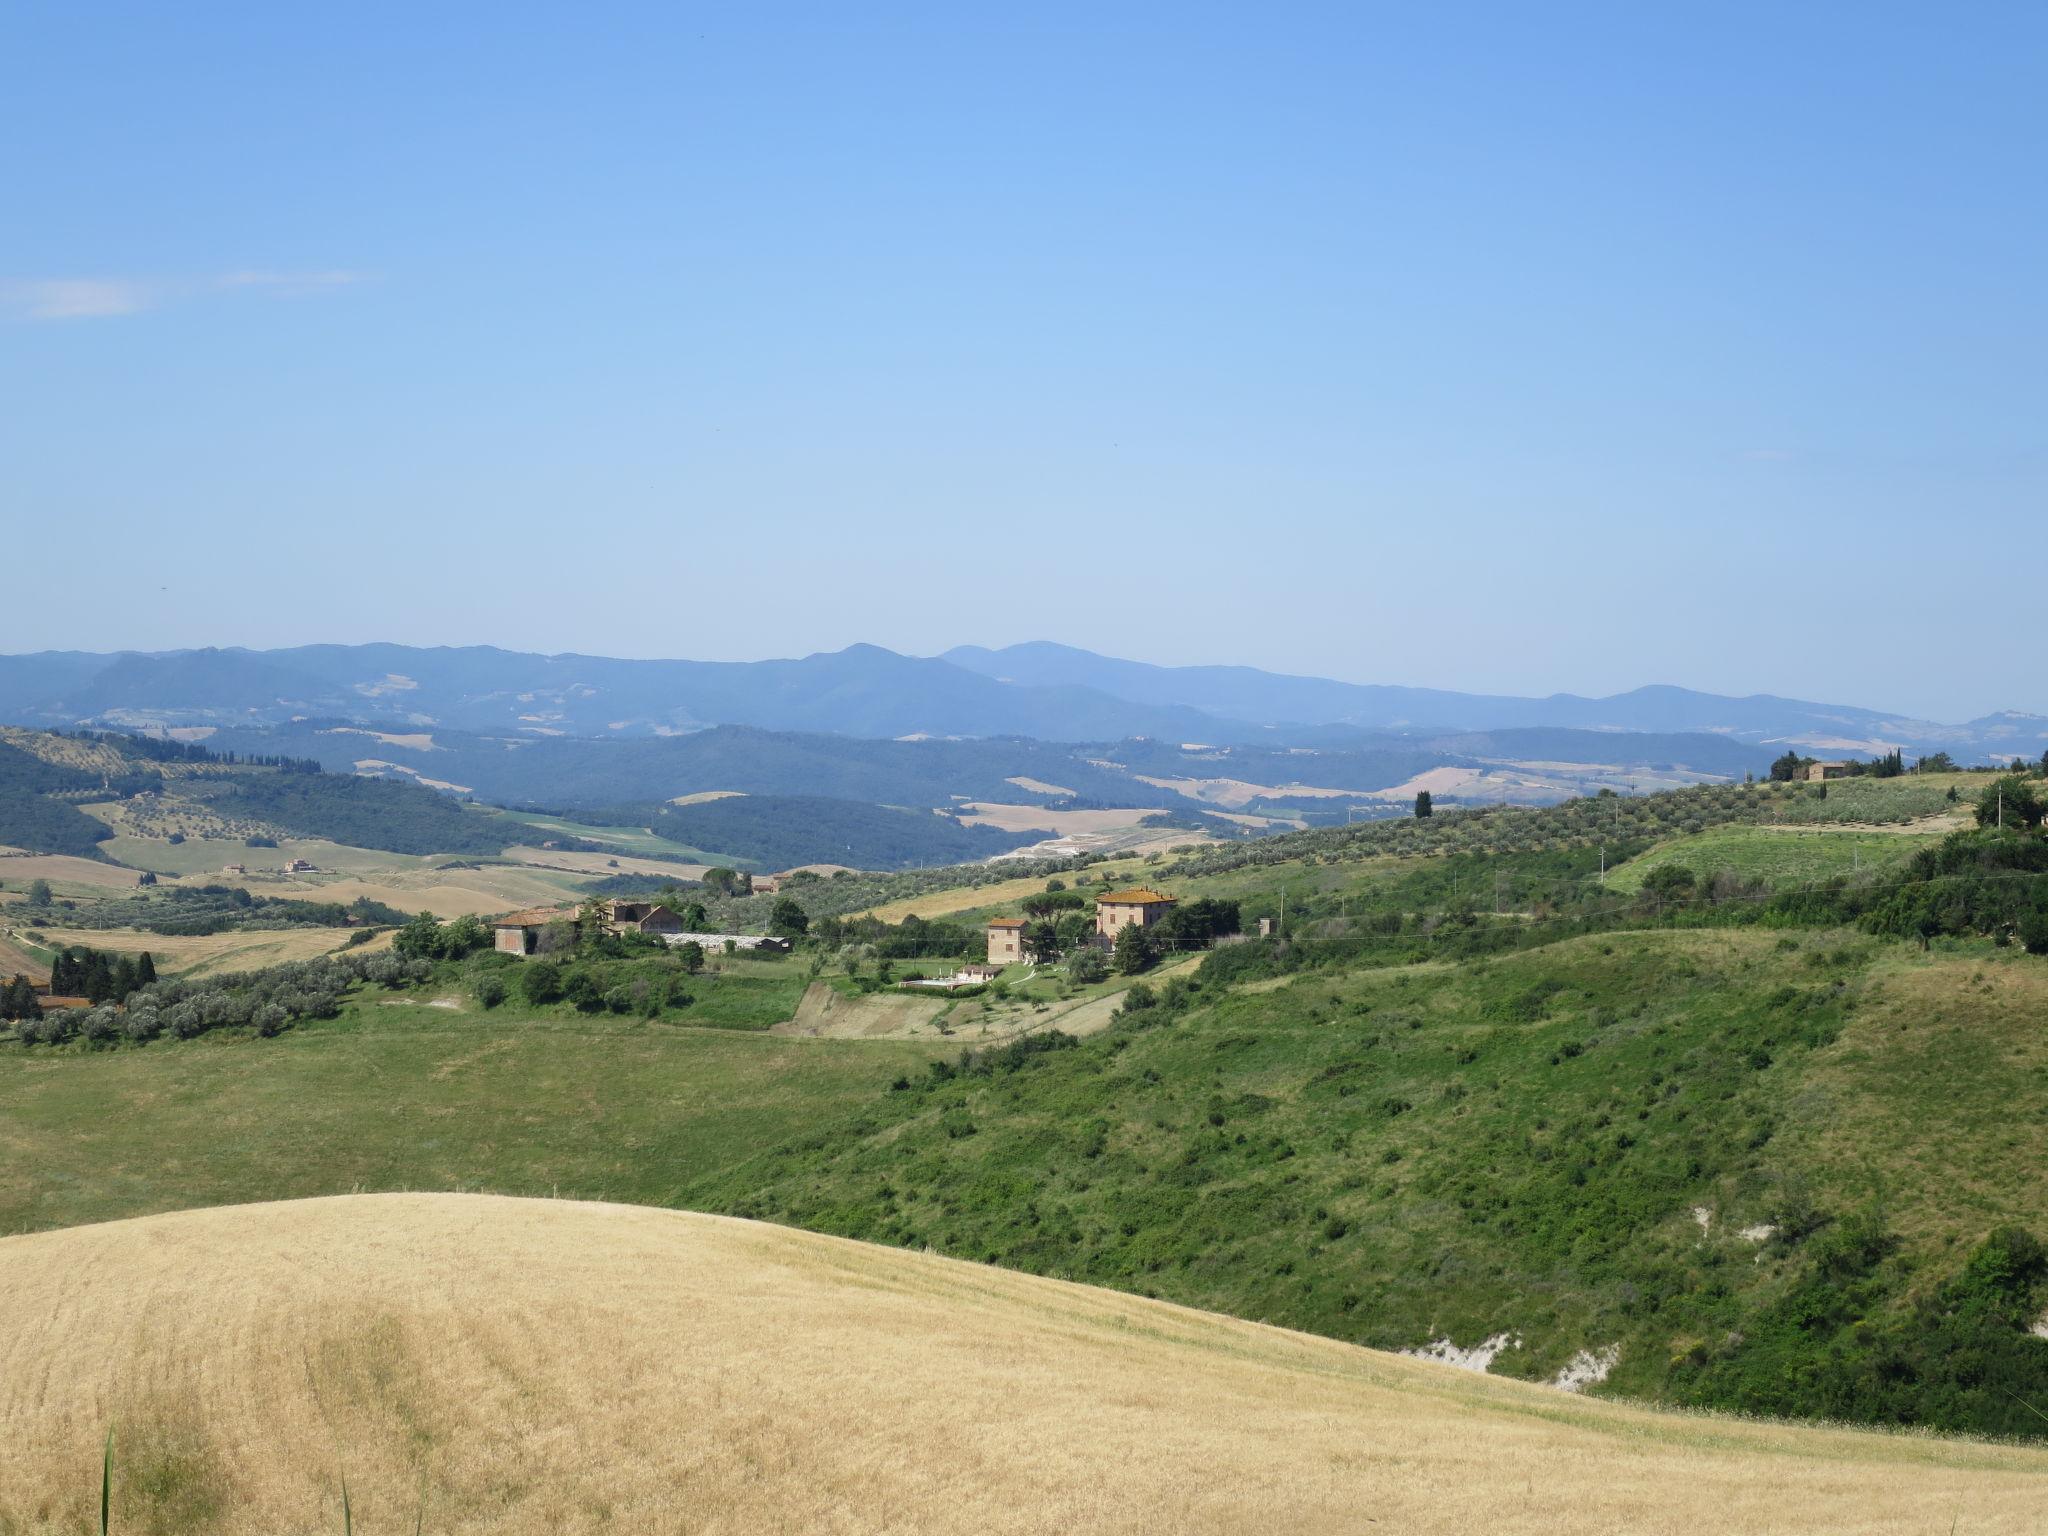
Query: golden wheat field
[{"x": 476, "y": 1363}]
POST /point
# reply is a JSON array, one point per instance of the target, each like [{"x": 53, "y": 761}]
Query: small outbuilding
[{"x": 518, "y": 933}]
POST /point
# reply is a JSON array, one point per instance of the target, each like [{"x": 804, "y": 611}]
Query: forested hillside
[{"x": 45, "y": 777}]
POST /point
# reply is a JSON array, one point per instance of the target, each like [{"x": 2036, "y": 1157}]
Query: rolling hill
[{"x": 468, "y": 1363}]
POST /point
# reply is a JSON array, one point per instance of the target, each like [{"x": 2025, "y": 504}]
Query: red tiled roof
[
  {"x": 1006, "y": 922},
  {"x": 1137, "y": 896}
]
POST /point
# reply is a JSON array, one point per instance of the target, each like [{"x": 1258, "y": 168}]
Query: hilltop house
[
  {"x": 1005, "y": 940},
  {"x": 1817, "y": 772},
  {"x": 1117, "y": 910}
]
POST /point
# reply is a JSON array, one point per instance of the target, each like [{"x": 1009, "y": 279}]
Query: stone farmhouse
[{"x": 1140, "y": 906}]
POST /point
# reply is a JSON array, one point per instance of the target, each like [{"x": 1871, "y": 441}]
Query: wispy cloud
[
  {"x": 100, "y": 298},
  {"x": 78, "y": 298}
]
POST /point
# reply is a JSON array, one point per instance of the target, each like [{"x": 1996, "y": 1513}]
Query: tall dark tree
[
  {"x": 1424, "y": 805},
  {"x": 788, "y": 920}
]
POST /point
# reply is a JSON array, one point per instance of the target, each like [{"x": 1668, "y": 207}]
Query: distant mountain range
[
  {"x": 1269, "y": 698},
  {"x": 1039, "y": 690}
]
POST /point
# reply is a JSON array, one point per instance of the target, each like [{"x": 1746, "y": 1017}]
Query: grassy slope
[
  {"x": 1394, "y": 1156},
  {"x": 1778, "y": 856},
  {"x": 521, "y": 1367},
  {"x": 412, "y": 1097}
]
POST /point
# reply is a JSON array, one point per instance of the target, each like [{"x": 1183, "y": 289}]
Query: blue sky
[{"x": 1506, "y": 347}]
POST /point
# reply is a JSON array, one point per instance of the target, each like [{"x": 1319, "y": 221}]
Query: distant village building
[
  {"x": 297, "y": 867},
  {"x": 1816, "y": 772},
  {"x": 234, "y": 869},
  {"x": 766, "y": 885},
  {"x": 645, "y": 917},
  {"x": 1140, "y": 905},
  {"x": 1005, "y": 941}
]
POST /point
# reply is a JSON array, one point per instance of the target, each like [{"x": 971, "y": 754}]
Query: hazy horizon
[
  {"x": 1878, "y": 705},
  {"x": 1505, "y": 351}
]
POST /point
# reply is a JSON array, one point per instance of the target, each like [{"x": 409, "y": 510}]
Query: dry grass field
[
  {"x": 477, "y": 1364},
  {"x": 68, "y": 876},
  {"x": 239, "y": 949}
]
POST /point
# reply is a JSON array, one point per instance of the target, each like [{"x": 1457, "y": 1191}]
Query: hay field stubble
[{"x": 541, "y": 1366}]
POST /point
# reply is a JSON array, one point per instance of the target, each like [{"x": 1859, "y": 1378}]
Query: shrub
[
  {"x": 490, "y": 991},
  {"x": 541, "y": 981}
]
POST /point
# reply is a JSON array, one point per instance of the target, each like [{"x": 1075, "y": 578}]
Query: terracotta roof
[
  {"x": 1137, "y": 896},
  {"x": 532, "y": 917},
  {"x": 1006, "y": 922}
]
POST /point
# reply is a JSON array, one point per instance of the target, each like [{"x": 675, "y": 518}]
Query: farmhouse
[
  {"x": 517, "y": 933},
  {"x": 1117, "y": 910},
  {"x": 765, "y": 885},
  {"x": 645, "y": 917},
  {"x": 1816, "y": 772},
  {"x": 297, "y": 867},
  {"x": 1005, "y": 940}
]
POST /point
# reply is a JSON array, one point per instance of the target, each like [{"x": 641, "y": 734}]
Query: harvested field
[
  {"x": 243, "y": 949},
  {"x": 1025, "y": 818},
  {"x": 1239, "y": 792},
  {"x": 604, "y": 863},
  {"x": 526, "y": 1366}
]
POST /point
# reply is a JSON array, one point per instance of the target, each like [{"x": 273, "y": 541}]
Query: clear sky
[{"x": 1508, "y": 347}]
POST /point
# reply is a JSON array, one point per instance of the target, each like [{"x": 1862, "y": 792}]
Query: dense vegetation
[
  {"x": 362, "y": 812},
  {"x": 31, "y": 814}
]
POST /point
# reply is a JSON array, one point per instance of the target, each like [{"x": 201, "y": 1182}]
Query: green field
[
  {"x": 1774, "y": 856},
  {"x": 404, "y": 1095}
]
